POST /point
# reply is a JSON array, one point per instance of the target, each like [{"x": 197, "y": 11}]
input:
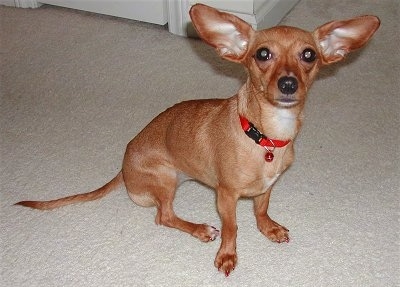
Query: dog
[{"x": 238, "y": 146}]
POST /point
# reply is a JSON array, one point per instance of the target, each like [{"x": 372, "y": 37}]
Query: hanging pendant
[{"x": 269, "y": 156}]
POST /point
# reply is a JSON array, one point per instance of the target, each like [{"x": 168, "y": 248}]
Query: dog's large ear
[
  {"x": 338, "y": 38},
  {"x": 225, "y": 32}
]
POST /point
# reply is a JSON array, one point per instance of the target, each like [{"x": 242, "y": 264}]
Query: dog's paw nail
[
  {"x": 214, "y": 233},
  {"x": 285, "y": 240}
]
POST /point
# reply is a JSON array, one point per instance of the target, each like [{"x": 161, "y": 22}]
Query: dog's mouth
[{"x": 286, "y": 101}]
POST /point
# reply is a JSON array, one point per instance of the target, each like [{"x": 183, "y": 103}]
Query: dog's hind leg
[
  {"x": 156, "y": 186},
  {"x": 167, "y": 217}
]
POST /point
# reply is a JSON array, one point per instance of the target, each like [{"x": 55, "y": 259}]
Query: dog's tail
[{"x": 93, "y": 195}]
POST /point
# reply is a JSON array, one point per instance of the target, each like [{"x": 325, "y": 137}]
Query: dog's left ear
[
  {"x": 338, "y": 38},
  {"x": 228, "y": 34}
]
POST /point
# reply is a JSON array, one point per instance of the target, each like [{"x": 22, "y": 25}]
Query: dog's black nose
[{"x": 287, "y": 85}]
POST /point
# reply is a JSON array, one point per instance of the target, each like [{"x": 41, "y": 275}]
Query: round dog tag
[{"x": 269, "y": 156}]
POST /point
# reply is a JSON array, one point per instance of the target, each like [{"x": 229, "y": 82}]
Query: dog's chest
[
  {"x": 269, "y": 181},
  {"x": 262, "y": 175},
  {"x": 285, "y": 122},
  {"x": 259, "y": 185}
]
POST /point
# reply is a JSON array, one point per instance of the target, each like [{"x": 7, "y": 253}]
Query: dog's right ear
[{"x": 228, "y": 34}]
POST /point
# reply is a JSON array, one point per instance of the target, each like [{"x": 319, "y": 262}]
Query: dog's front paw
[
  {"x": 226, "y": 262},
  {"x": 272, "y": 230},
  {"x": 206, "y": 233}
]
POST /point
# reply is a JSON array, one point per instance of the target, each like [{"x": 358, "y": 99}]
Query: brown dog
[{"x": 239, "y": 146}]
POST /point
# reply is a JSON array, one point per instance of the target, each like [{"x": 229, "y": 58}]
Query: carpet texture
[{"x": 76, "y": 87}]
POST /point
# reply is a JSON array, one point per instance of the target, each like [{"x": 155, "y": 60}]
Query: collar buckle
[
  {"x": 254, "y": 133},
  {"x": 269, "y": 144}
]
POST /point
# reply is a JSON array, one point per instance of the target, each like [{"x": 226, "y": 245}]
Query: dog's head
[{"x": 282, "y": 61}]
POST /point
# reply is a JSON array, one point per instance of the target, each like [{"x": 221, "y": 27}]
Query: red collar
[{"x": 258, "y": 137}]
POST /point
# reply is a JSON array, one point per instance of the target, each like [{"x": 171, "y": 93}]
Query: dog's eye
[
  {"x": 263, "y": 54},
  {"x": 308, "y": 55}
]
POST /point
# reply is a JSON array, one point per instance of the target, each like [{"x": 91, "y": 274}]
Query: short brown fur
[{"x": 203, "y": 139}]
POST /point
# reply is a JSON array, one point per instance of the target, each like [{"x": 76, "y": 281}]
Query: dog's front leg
[
  {"x": 271, "y": 229},
  {"x": 226, "y": 257}
]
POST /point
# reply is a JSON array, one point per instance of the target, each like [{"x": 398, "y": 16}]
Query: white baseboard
[
  {"x": 27, "y": 3},
  {"x": 7, "y": 3}
]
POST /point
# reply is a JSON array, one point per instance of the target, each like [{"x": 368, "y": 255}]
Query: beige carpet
[{"x": 76, "y": 87}]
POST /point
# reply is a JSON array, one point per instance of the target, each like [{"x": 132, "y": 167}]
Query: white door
[{"x": 152, "y": 11}]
